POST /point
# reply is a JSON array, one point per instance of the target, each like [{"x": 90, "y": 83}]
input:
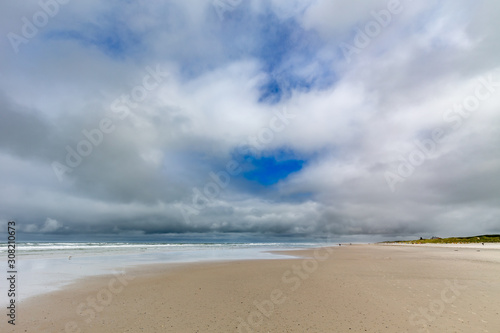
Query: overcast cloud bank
[{"x": 115, "y": 116}]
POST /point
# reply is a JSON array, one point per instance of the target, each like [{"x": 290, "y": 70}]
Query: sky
[{"x": 278, "y": 118}]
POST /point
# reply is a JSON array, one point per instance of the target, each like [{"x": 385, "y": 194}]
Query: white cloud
[
  {"x": 354, "y": 120},
  {"x": 51, "y": 225}
]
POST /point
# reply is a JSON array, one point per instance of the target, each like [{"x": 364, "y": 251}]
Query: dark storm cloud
[{"x": 223, "y": 84}]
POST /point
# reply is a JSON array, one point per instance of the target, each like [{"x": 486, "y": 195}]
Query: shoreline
[
  {"x": 43, "y": 272},
  {"x": 343, "y": 288}
]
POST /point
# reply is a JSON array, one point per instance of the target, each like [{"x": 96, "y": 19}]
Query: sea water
[{"x": 47, "y": 266}]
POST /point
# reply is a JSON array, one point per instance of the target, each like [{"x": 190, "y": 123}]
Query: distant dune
[{"x": 453, "y": 240}]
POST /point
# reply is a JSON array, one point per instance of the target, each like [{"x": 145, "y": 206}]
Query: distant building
[{"x": 435, "y": 237}]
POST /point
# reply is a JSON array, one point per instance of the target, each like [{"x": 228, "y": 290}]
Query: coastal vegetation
[{"x": 452, "y": 240}]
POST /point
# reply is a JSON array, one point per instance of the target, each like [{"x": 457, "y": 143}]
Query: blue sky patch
[
  {"x": 286, "y": 51},
  {"x": 113, "y": 37},
  {"x": 269, "y": 170}
]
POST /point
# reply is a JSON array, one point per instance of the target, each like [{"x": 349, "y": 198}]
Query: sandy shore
[{"x": 358, "y": 288}]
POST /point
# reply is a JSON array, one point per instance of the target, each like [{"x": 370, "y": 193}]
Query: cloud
[
  {"x": 354, "y": 119},
  {"x": 51, "y": 225}
]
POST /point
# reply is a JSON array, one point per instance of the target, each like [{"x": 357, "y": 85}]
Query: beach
[{"x": 348, "y": 288}]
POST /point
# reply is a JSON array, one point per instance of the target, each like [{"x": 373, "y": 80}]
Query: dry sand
[{"x": 358, "y": 288}]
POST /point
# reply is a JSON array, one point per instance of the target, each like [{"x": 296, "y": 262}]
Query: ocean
[{"x": 47, "y": 266}]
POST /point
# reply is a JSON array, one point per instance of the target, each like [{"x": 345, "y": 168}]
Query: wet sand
[{"x": 357, "y": 288}]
